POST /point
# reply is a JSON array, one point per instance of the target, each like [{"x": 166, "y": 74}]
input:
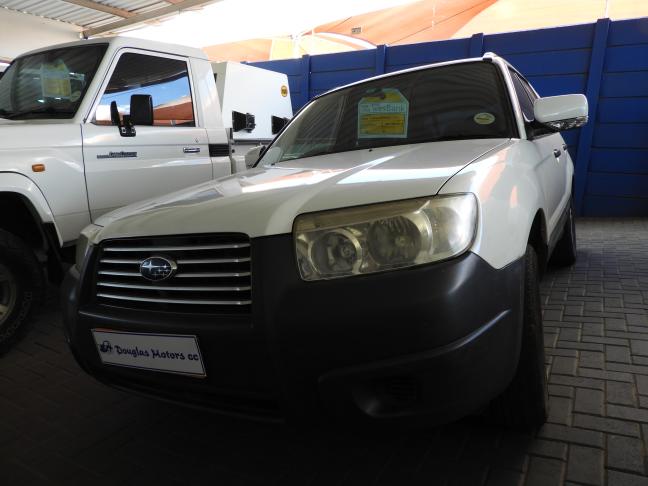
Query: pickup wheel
[
  {"x": 565, "y": 252},
  {"x": 21, "y": 286},
  {"x": 524, "y": 404}
]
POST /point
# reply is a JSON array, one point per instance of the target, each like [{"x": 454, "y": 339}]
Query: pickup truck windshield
[
  {"x": 49, "y": 84},
  {"x": 452, "y": 102}
]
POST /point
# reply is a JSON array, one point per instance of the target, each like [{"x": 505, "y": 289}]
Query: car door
[
  {"x": 552, "y": 162},
  {"x": 170, "y": 153}
]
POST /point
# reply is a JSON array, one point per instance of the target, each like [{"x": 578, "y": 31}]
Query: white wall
[{"x": 23, "y": 32}]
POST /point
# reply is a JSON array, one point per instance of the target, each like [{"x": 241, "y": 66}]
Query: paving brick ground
[{"x": 57, "y": 426}]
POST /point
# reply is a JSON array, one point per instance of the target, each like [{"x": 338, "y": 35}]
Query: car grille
[{"x": 213, "y": 274}]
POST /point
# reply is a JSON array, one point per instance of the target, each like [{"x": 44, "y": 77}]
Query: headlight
[
  {"x": 84, "y": 243},
  {"x": 386, "y": 236}
]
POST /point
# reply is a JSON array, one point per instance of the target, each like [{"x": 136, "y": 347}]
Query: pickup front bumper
[{"x": 434, "y": 342}]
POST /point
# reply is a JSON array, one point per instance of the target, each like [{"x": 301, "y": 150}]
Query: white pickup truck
[
  {"x": 91, "y": 126},
  {"x": 381, "y": 261}
]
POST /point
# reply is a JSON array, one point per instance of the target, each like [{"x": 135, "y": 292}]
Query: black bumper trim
[{"x": 449, "y": 333}]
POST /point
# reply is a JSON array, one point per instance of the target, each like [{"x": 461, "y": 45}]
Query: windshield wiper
[{"x": 39, "y": 111}]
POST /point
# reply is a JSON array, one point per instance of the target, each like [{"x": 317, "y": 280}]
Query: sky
[{"x": 235, "y": 20}]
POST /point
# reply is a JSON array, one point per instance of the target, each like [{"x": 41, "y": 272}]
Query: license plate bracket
[{"x": 166, "y": 353}]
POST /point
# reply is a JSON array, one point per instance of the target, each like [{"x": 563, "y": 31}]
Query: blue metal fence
[{"x": 607, "y": 61}]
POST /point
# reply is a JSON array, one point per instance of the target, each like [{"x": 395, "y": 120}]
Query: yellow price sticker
[
  {"x": 55, "y": 80},
  {"x": 383, "y": 115}
]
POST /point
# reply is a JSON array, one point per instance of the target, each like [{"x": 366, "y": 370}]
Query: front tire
[
  {"x": 524, "y": 404},
  {"x": 21, "y": 286}
]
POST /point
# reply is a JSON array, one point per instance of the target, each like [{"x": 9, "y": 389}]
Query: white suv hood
[{"x": 265, "y": 200}]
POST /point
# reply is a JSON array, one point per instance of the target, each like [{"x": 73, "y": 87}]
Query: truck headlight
[
  {"x": 84, "y": 243},
  {"x": 385, "y": 236}
]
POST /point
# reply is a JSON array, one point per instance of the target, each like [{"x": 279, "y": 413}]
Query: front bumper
[{"x": 434, "y": 342}]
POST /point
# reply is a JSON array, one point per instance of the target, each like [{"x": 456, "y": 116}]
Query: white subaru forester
[{"x": 380, "y": 262}]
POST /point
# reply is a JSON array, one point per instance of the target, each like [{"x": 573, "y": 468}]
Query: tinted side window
[
  {"x": 528, "y": 88},
  {"x": 526, "y": 104},
  {"x": 166, "y": 80}
]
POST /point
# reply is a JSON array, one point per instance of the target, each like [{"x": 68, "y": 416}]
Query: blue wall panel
[
  {"x": 575, "y": 37},
  {"x": 621, "y": 161},
  {"x": 623, "y": 110},
  {"x": 607, "y": 61},
  {"x": 401, "y": 57}
]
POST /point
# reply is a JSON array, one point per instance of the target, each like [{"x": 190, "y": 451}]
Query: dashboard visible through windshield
[{"x": 48, "y": 84}]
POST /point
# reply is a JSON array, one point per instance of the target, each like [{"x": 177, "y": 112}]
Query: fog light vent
[{"x": 401, "y": 389}]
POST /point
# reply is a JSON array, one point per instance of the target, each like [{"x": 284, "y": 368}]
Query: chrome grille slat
[
  {"x": 183, "y": 288},
  {"x": 138, "y": 261},
  {"x": 175, "y": 301},
  {"x": 213, "y": 274},
  {"x": 119, "y": 274},
  {"x": 179, "y": 248},
  {"x": 213, "y": 260}
]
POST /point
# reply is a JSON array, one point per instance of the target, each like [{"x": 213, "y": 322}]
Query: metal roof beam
[
  {"x": 100, "y": 7},
  {"x": 145, "y": 17}
]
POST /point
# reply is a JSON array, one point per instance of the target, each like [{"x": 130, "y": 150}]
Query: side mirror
[
  {"x": 253, "y": 155},
  {"x": 126, "y": 128},
  {"x": 141, "y": 109},
  {"x": 561, "y": 112}
]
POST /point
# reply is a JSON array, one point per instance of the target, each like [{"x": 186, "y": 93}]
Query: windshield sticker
[
  {"x": 383, "y": 114},
  {"x": 484, "y": 118},
  {"x": 55, "y": 80}
]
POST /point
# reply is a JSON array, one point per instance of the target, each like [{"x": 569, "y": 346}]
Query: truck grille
[{"x": 213, "y": 274}]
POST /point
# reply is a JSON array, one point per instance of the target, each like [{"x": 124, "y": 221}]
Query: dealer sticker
[
  {"x": 484, "y": 118},
  {"x": 169, "y": 353},
  {"x": 383, "y": 114}
]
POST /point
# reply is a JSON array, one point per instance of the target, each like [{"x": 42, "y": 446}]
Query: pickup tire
[
  {"x": 21, "y": 288},
  {"x": 565, "y": 252},
  {"x": 524, "y": 404}
]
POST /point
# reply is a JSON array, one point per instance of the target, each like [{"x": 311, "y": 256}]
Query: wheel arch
[
  {"x": 27, "y": 215},
  {"x": 538, "y": 239}
]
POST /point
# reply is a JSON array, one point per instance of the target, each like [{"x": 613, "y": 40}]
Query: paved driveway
[{"x": 57, "y": 426}]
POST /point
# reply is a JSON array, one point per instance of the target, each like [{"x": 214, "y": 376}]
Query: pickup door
[{"x": 170, "y": 154}]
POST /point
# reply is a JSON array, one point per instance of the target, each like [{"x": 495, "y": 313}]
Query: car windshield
[
  {"x": 452, "y": 102},
  {"x": 49, "y": 84}
]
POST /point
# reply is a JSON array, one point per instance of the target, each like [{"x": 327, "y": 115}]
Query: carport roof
[{"x": 97, "y": 17}]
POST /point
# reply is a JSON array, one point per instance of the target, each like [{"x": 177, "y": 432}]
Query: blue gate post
[
  {"x": 305, "y": 84},
  {"x": 381, "y": 52},
  {"x": 597, "y": 59},
  {"x": 476, "y": 45}
]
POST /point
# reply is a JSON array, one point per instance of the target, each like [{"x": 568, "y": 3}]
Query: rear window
[{"x": 460, "y": 101}]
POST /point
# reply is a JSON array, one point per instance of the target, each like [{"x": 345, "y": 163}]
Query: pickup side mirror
[
  {"x": 253, "y": 155},
  {"x": 141, "y": 109},
  {"x": 559, "y": 113},
  {"x": 126, "y": 128}
]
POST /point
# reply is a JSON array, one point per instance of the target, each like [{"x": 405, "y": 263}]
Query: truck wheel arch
[{"x": 22, "y": 219}]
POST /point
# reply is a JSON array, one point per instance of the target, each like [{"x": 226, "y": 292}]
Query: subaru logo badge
[{"x": 157, "y": 268}]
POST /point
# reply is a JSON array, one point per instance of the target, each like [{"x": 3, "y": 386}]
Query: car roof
[{"x": 487, "y": 57}]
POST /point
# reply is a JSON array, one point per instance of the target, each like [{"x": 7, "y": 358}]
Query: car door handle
[
  {"x": 557, "y": 153},
  {"x": 191, "y": 150}
]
